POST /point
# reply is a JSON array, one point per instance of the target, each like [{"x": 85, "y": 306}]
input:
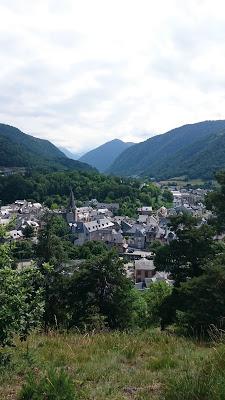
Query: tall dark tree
[
  {"x": 215, "y": 201},
  {"x": 28, "y": 231},
  {"x": 167, "y": 196},
  {"x": 101, "y": 288},
  {"x": 202, "y": 299},
  {"x": 50, "y": 246},
  {"x": 185, "y": 256}
]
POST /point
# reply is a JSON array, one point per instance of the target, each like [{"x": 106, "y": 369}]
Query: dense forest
[
  {"x": 18, "y": 149},
  {"x": 195, "y": 151},
  {"x": 53, "y": 190}
]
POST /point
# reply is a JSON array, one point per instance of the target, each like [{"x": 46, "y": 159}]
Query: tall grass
[
  {"x": 51, "y": 385},
  {"x": 112, "y": 365},
  {"x": 204, "y": 380}
]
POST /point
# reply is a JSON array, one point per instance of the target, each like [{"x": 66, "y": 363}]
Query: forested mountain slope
[
  {"x": 18, "y": 149},
  {"x": 194, "y": 150},
  {"x": 103, "y": 156}
]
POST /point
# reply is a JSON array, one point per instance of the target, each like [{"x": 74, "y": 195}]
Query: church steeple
[{"x": 72, "y": 209}]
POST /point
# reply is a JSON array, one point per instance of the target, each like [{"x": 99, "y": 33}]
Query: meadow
[{"x": 117, "y": 365}]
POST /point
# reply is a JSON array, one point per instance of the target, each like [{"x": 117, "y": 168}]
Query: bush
[
  {"x": 157, "y": 293},
  {"x": 21, "y": 303},
  {"x": 5, "y": 358},
  {"x": 52, "y": 385},
  {"x": 202, "y": 300}
]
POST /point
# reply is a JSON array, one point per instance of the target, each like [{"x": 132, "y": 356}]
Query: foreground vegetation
[{"x": 138, "y": 365}]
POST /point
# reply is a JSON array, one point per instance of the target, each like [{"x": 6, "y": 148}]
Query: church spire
[{"x": 72, "y": 205}]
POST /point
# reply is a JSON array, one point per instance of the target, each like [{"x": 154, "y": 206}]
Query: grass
[
  {"x": 116, "y": 366},
  {"x": 182, "y": 182},
  {"x": 54, "y": 384},
  {"x": 202, "y": 382}
]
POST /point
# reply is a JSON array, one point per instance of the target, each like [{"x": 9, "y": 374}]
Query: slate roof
[
  {"x": 136, "y": 230},
  {"x": 144, "y": 264},
  {"x": 98, "y": 224}
]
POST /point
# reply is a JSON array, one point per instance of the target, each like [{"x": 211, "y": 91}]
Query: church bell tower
[{"x": 71, "y": 209}]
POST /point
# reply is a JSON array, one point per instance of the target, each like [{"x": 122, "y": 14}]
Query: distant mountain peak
[
  {"x": 104, "y": 155},
  {"x": 70, "y": 154}
]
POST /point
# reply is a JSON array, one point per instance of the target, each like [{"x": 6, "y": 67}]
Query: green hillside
[
  {"x": 195, "y": 150},
  {"x": 18, "y": 149}
]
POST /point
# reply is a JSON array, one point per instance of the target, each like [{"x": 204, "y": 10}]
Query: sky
[{"x": 82, "y": 72}]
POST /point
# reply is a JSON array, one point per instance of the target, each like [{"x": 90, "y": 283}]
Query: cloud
[{"x": 80, "y": 73}]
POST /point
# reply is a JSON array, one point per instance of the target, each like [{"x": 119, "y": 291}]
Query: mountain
[
  {"x": 18, "y": 149},
  {"x": 103, "y": 156},
  {"x": 194, "y": 150},
  {"x": 69, "y": 154}
]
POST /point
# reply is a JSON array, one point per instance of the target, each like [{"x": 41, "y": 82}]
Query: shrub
[
  {"x": 202, "y": 300},
  {"x": 157, "y": 293},
  {"x": 5, "y": 358},
  {"x": 52, "y": 385},
  {"x": 21, "y": 303}
]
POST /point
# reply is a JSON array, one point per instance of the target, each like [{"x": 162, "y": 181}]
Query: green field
[
  {"x": 182, "y": 182},
  {"x": 116, "y": 366}
]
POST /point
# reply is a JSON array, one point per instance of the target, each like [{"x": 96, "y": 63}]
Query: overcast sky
[{"x": 82, "y": 72}]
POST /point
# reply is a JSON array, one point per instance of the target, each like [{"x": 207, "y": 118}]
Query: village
[{"x": 133, "y": 238}]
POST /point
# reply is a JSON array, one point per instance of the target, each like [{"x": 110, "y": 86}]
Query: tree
[
  {"x": 2, "y": 232},
  {"x": 167, "y": 196},
  {"x": 21, "y": 303},
  {"x": 5, "y": 256},
  {"x": 168, "y": 309},
  {"x": 55, "y": 285},
  {"x": 155, "y": 296},
  {"x": 155, "y": 245},
  {"x": 139, "y": 309},
  {"x": 185, "y": 256},
  {"x": 50, "y": 246},
  {"x": 197, "y": 262},
  {"x": 28, "y": 231},
  {"x": 45, "y": 188},
  {"x": 22, "y": 250},
  {"x": 89, "y": 250},
  {"x": 215, "y": 201},
  {"x": 50, "y": 249},
  {"x": 101, "y": 288},
  {"x": 202, "y": 300}
]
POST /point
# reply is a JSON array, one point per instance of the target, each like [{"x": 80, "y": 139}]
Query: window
[{"x": 146, "y": 274}]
